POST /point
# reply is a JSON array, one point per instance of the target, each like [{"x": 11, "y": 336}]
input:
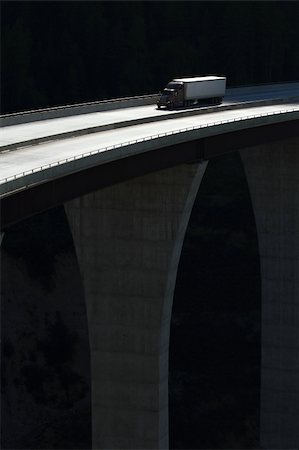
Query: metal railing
[
  {"x": 86, "y": 107},
  {"x": 58, "y": 112},
  {"x": 76, "y": 105},
  {"x": 125, "y": 99},
  {"x": 146, "y": 138}
]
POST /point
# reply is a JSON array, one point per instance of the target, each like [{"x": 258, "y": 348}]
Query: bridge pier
[
  {"x": 128, "y": 239},
  {"x": 273, "y": 177}
]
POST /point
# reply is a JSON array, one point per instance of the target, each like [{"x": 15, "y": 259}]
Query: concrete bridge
[{"x": 128, "y": 176}]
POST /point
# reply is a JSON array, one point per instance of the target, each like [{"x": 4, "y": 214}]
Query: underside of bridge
[{"x": 128, "y": 239}]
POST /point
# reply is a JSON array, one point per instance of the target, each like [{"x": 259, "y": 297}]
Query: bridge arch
[{"x": 214, "y": 354}]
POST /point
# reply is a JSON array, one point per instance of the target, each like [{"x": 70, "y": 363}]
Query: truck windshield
[{"x": 173, "y": 86}]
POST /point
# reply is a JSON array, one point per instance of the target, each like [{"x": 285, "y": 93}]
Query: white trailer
[{"x": 193, "y": 91}]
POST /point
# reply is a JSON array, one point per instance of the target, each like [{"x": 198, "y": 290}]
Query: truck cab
[{"x": 172, "y": 94}]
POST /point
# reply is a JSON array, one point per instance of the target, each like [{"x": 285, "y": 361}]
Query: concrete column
[
  {"x": 128, "y": 239},
  {"x": 273, "y": 177}
]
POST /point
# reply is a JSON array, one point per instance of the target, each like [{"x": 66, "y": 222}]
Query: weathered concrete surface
[
  {"x": 273, "y": 177},
  {"x": 128, "y": 240}
]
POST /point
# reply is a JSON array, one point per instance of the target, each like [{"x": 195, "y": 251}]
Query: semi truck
[{"x": 193, "y": 91}]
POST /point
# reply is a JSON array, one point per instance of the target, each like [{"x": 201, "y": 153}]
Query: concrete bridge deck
[
  {"x": 32, "y": 164},
  {"x": 50, "y": 128}
]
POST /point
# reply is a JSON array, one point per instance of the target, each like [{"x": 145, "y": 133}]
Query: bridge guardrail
[
  {"x": 101, "y": 105},
  {"x": 130, "y": 122},
  {"x": 135, "y": 141},
  {"x": 74, "y": 109}
]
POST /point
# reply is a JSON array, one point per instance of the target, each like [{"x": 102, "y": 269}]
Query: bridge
[{"x": 128, "y": 176}]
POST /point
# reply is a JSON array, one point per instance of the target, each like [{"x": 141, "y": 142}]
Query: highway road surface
[
  {"x": 34, "y": 157},
  {"x": 15, "y": 135}
]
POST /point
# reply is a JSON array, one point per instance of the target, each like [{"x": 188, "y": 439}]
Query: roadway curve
[
  {"x": 25, "y": 168},
  {"x": 22, "y": 134}
]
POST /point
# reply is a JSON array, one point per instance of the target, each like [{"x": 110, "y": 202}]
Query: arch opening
[{"x": 214, "y": 355}]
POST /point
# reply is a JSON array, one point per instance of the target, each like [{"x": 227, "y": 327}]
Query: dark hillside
[{"x": 55, "y": 53}]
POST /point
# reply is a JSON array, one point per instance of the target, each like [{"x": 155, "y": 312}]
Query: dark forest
[{"x": 56, "y": 53}]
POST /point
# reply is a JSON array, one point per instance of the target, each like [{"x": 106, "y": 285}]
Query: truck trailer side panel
[{"x": 204, "y": 89}]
